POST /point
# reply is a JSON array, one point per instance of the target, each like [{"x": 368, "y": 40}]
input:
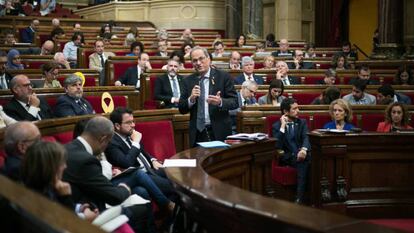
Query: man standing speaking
[{"x": 208, "y": 95}]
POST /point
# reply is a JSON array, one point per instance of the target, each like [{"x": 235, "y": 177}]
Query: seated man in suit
[
  {"x": 358, "y": 95},
  {"x": 17, "y": 138},
  {"x": 387, "y": 95},
  {"x": 25, "y": 105},
  {"x": 282, "y": 70},
  {"x": 168, "y": 86},
  {"x": 347, "y": 51},
  {"x": 291, "y": 134},
  {"x": 132, "y": 75},
  {"x": 84, "y": 173},
  {"x": 162, "y": 49},
  {"x": 125, "y": 150},
  {"x": 283, "y": 49},
  {"x": 5, "y": 77},
  {"x": 248, "y": 69},
  {"x": 298, "y": 62},
  {"x": 234, "y": 62},
  {"x": 218, "y": 49},
  {"x": 245, "y": 97},
  {"x": 329, "y": 79},
  {"x": 364, "y": 73},
  {"x": 98, "y": 58},
  {"x": 27, "y": 35},
  {"x": 72, "y": 103}
]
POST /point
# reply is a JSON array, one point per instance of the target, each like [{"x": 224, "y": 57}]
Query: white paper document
[{"x": 179, "y": 163}]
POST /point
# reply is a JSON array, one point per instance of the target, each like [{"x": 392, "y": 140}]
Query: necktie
[
  {"x": 141, "y": 158},
  {"x": 200, "y": 107},
  {"x": 175, "y": 87},
  {"x": 284, "y": 81},
  {"x": 290, "y": 129},
  {"x": 102, "y": 61},
  {"x": 82, "y": 106},
  {"x": 3, "y": 82}
]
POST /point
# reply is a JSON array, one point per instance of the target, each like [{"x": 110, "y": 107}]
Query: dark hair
[
  {"x": 218, "y": 43},
  {"x": 178, "y": 54},
  {"x": 185, "y": 45},
  {"x": 270, "y": 37},
  {"x": 79, "y": 127},
  {"x": 287, "y": 104},
  {"x": 336, "y": 58},
  {"x": 137, "y": 44},
  {"x": 386, "y": 90},
  {"x": 330, "y": 94},
  {"x": 41, "y": 163},
  {"x": 360, "y": 84},
  {"x": 102, "y": 31},
  {"x": 309, "y": 46},
  {"x": 276, "y": 83},
  {"x": 98, "y": 40},
  {"x": 47, "y": 67},
  {"x": 364, "y": 68},
  {"x": 106, "y": 36},
  {"x": 116, "y": 115},
  {"x": 236, "y": 43},
  {"x": 75, "y": 36},
  {"x": 9, "y": 31},
  {"x": 346, "y": 43},
  {"x": 404, "y": 120},
  {"x": 402, "y": 69},
  {"x": 57, "y": 31}
]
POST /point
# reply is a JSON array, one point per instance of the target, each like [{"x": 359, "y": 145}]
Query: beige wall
[{"x": 163, "y": 13}]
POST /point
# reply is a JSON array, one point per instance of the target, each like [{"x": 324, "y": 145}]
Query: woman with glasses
[
  {"x": 13, "y": 60},
  {"x": 50, "y": 72},
  {"x": 275, "y": 94}
]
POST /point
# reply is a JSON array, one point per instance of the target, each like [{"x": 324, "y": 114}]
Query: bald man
[
  {"x": 283, "y": 49},
  {"x": 17, "y": 138},
  {"x": 25, "y": 105},
  {"x": 48, "y": 48}
]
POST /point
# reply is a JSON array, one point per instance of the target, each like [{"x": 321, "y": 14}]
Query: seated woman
[
  {"x": 341, "y": 114},
  {"x": 396, "y": 118},
  {"x": 50, "y": 71},
  {"x": 240, "y": 41},
  {"x": 340, "y": 62},
  {"x": 404, "y": 76},
  {"x": 13, "y": 60},
  {"x": 269, "y": 63},
  {"x": 328, "y": 95},
  {"x": 136, "y": 48},
  {"x": 186, "y": 49},
  {"x": 310, "y": 50},
  {"x": 275, "y": 94}
]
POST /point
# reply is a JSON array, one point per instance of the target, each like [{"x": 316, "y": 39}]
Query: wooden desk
[
  {"x": 367, "y": 175},
  {"x": 223, "y": 194}
]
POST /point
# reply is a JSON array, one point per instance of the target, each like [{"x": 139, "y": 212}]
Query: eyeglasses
[
  {"x": 200, "y": 59},
  {"x": 128, "y": 122},
  {"x": 27, "y": 85},
  {"x": 253, "y": 92}
]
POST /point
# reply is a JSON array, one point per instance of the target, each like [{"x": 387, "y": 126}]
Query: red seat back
[
  {"x": 121, "y": 67},
  {"x": 305, "y": 98},
  {"x": 34, "y": 64},
  {"x": 48, "y": 138},
  {"x": 370, "y": 121},
  {"x": 269, "y": 121},
  {"x": 158, "y": 138},
  {"x": 320, "y": 120},
  {"x": 313, "y": 79},
  {"x": 64, "y": 137}
]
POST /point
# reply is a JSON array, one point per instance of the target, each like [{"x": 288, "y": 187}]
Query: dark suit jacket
[
  {"x": 27, "y": 35},
  {"x": 8, "y": 78},
  {"x": 301, "y": 137},
  {"x": 302, "y": 65},
  {"x": 16, "y": 111},
  {"x": 66, "y": 106},
  {"x": 403, "y": 98},
  {"x": 277, "y": 54},
  {"x": 163, "y": 89},
  {"x": 159, "y": 54},
  {"x": 240, "y": 79},
  {"x": 120, "y": 155},
  {"x": 294, "y": 80},
  {"x": 11, "y": 167},
  {"x": 84, "y": 173},
  {"x": 219, "y": 116},
  {"x": 130, "y": 77},
  {"x": 370, "y": 81}
]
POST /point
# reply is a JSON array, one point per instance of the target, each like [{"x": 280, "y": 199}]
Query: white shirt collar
[{"x": 85, "y": 144}]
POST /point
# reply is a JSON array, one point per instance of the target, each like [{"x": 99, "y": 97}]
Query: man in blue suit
[
  {"x": 27, "y": 35},
  {"x": 72, "y": 103},
  {"x": 248, "y": 69},
  {"x": 292, "y": 139}
]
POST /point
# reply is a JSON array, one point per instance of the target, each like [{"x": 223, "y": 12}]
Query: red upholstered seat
[
  {"x": 347, "y": 79},
  {"x": 305, "y": 98},
  {"x": 320, "y": 120},
  {"x": 322, "y": 65},
  {"x": 2, "y": 158},
  {"x": 95, "y": 101},
  {"x": 48, "y": 138},
  {"x": 188, "y": 65},
  {"x": 158, "y": 64},
  {"x": 370, "y": 121},
  {"x": 258, "y": 65},
  {"x": 313, "y": 79},
  {"x": 52, "y": 102},
  {"x": 64, "y": 137},
  {"x": 406, "y": 225},
  {"x": 121, "y": 67},
  {"x": 34, "y": 64},
  {"x": 259, "y": 94},
  {"x": 158, "y": 138}
]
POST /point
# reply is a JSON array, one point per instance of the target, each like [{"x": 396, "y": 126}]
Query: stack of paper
[
  {"x": 249, "y": 136},
  {"x": 213, "y": 144}
]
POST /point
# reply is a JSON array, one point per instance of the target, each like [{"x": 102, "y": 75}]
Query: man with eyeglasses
[
  {"x": 25, "y": 105},
  {"x": 48, "y": 48},
  {"x": 298, "y": 62},
  {"x": 246, "y": 96},
  {"x": 208, "y": 95},
  {"x": 17, "y": 138}
]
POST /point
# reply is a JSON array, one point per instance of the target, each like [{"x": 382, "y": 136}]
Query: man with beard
[
  {"x": 168, "y": 86},
  {"x": 72, "y": 103},
  {"x": 4, "y": 76},
  {"x": 208, "y": 95}
]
